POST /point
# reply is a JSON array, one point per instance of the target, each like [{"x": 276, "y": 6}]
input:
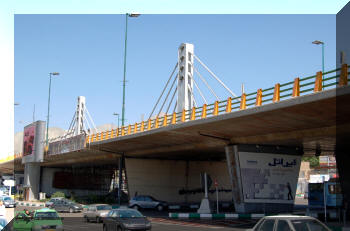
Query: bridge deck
[{"x": 301, "y": 121}]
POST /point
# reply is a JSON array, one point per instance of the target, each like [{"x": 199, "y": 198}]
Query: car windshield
[
  {"x": 104, "y": 207},
  {"x": 129, "y": 214},
  {"x": 308, "y": 225},
  {"x": 7, "y": 199},
  {"x": 46, "y": 216}
]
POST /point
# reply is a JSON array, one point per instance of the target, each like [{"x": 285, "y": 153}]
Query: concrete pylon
[{"x": 185, "y": 79}]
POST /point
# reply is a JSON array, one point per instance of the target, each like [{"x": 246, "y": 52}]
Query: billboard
[
  {"x": 67, "y": 145},
  {"x": 33, "y": 142},
  {"x": 269, "y": 178},
  {"x": 28, "y": 140}
]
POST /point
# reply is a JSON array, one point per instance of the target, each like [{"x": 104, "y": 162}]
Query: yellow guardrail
[{"x": 11, "y": 158}]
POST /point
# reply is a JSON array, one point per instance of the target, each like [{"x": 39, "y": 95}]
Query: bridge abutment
[{"x": 263, "y": 178}]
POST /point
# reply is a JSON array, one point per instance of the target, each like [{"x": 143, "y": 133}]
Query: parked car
[
  {"x": 52, "y": 200},
  {"x": 8, "y": 202},
  {"x": 42, "y": 219},
  {"x": 289, "y": 223},
  {"x": 65, "y": 205},
  {"x": 144, "y": 202},
  {"x": 96, "y": 212},
  {"x": 125, "y": 219}
]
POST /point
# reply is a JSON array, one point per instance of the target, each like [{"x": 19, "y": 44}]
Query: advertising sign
[
  {"x": 269, "y": 178},
  {"x": 33, "y": 142},
  {"x": 28, "y": 140},
  {"x": 67, "y": 145}
]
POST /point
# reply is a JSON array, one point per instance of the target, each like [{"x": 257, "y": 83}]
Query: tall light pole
[
  {"x": 117, "y": 114},
  {"x": 317, "y": 42},
  {"x": 134, "y": 15},
  {"x": 48, "y": 108}
]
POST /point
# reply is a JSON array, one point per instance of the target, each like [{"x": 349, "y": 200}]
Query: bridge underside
[{"x": 307, "y": 122}]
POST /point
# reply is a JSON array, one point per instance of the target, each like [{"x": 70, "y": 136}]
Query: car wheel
[
  {"x": 135, "y": 207},
  {"x": 98, "y": 219},
  {"x": 71, "y": 210},
  {"x": 160, "y": 207}
]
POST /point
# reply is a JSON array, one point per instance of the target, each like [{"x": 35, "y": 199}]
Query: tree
[{"x": 313, "y": 160}]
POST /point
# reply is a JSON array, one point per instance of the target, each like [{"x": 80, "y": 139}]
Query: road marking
[{"x": 183, "y": 223}]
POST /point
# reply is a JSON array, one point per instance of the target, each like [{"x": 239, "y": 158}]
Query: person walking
[{"x": 290, "y": 196}]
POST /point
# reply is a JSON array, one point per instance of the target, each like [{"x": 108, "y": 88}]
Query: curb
[
  {"x": 216, "y": 216},
  {"x": 30, "y": 204}
]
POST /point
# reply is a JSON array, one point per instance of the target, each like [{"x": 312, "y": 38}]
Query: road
[{"x": 160, "y": 222}]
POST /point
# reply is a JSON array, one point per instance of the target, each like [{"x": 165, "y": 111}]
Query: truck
[{"x": 332, "y": 193}]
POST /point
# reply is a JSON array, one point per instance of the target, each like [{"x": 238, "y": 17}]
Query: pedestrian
[
  {"x": 290, "y": 196},
  {"x": 2, "y": 209}
]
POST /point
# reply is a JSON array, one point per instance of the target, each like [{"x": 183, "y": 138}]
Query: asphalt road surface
[{"x": 160, "y": 222}]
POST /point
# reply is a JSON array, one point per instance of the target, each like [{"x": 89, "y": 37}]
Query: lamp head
[
  {"x": 134, "y": 14},
  {"x": 55, "y": 73},
  {"x": 317, "y": 42}
]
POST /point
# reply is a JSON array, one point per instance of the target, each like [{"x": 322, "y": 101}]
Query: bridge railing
[{"x": 298, "y": 87}]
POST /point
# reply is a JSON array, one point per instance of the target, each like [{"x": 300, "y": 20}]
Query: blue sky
[{"x": 257, "y": 50}]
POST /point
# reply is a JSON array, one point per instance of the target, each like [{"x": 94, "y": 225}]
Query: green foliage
[
  {"x": 58, "y": 194},
  {"x": 313, "y": 160}
]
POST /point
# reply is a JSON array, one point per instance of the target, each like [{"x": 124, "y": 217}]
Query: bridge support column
[
  {"x": 234, "y": 171},
  {"x": 32, "y": 180}
]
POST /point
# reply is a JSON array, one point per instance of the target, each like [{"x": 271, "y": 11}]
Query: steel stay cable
[
  {"x": 228, "y": 89},
  {"x": 171, "y": 101},
  {"x": 163, "y": 90},
  {"x": 166, "y": 98},
  {"x": 206, "y": 83},
  {"x": 200, "y": 92}
]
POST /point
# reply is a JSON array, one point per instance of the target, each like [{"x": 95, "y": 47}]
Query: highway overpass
[{"x": 300, "y": 117}]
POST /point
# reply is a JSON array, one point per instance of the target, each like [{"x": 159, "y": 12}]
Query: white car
[
  {"x": 97, "y": 212},
  {"x": 289, "y": 223}
]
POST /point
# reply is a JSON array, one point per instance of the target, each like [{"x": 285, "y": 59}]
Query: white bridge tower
[
  {"x": 185, "y": 77},
  {"x": 79, "y": 128}
]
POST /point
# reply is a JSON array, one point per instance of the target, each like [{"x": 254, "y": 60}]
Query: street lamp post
[
  {"x": 117, "y": 114},
  {"x": 134, "y": 15},
  {"x": 317, "y": 42},
  {"x": 48, "y": 108}
]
